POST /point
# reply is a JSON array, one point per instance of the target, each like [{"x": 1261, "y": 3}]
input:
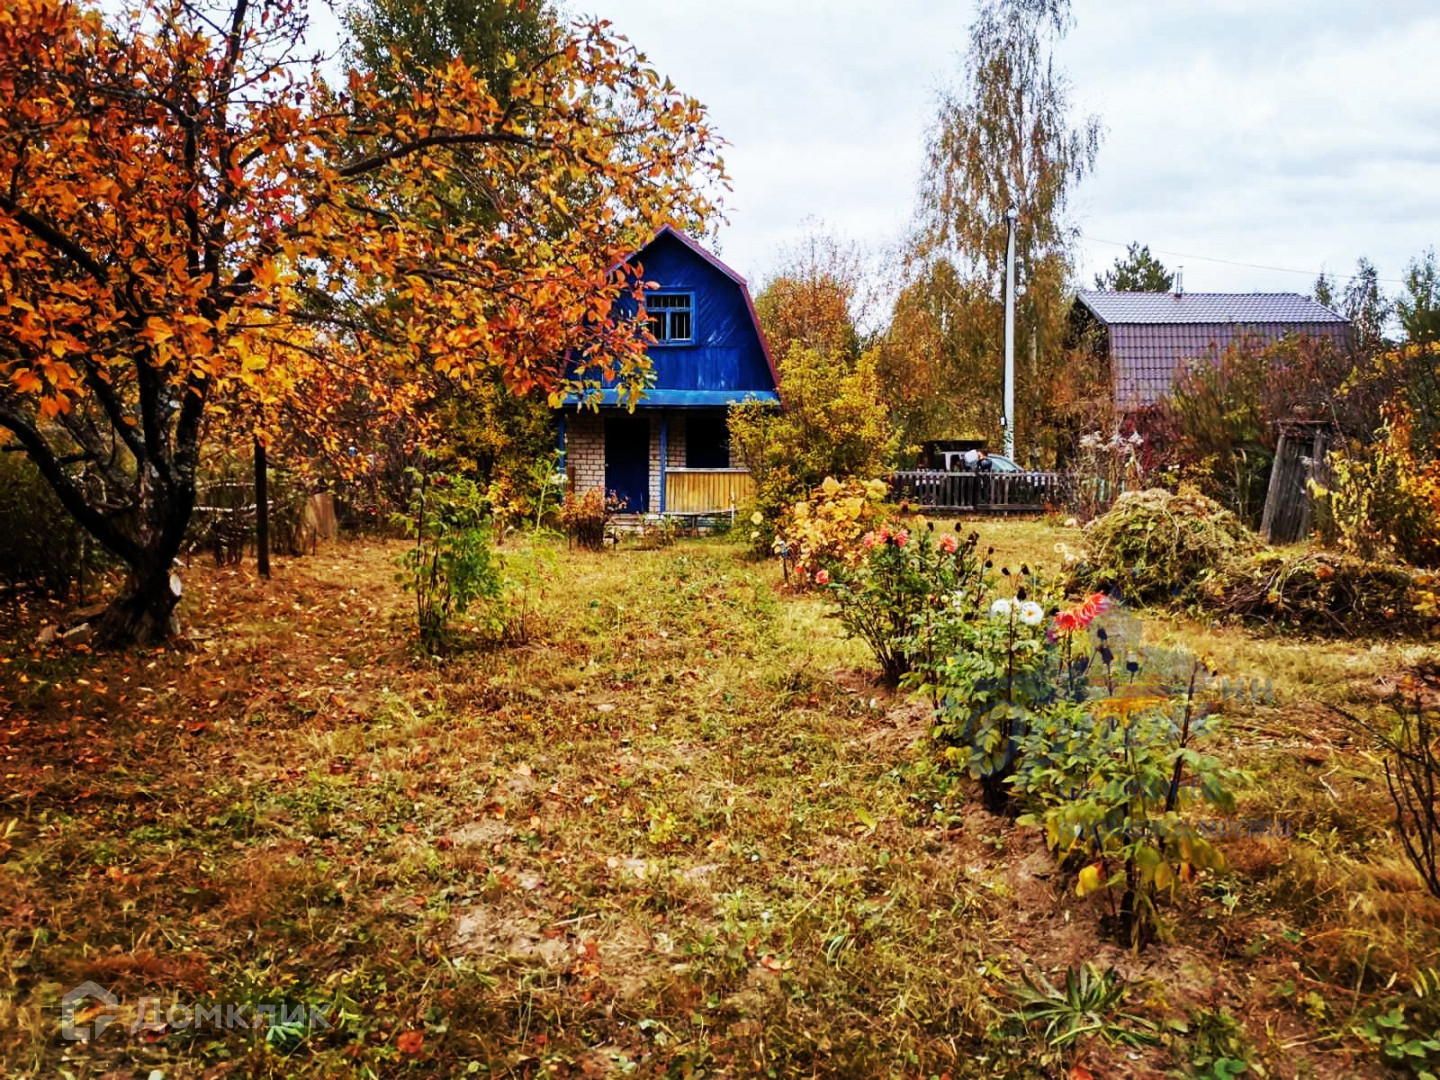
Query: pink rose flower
[
  {"x": 948, "y": 544},
  {"x": 868, "y": 540},
  {"x": 822, "y": 577},
  {"x": 901, "y": 538}
]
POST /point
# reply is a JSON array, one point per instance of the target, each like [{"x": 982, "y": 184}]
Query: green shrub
[
  {"x": 1112, "y": 781},
  {"x": 835, "y": 423},
  {"x": 986, "y": 673},
  {"x": 506, "y": 442},
  {"x": 450, "y": 567},
  {"x": 896, "y": 595},
  {"x": 823, "y": 531},
  {"x": 1382, "y": 501},
  {"x": 1065, "y": 713}
]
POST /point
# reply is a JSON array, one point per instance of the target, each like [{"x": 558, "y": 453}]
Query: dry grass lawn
[{"x": 679, "y": 833}]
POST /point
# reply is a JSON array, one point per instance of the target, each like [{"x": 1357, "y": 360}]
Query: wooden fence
[
  {"x": 707, "y": 491},
  {"x": 223, "y": 521},
  {"x": 999, "y": 492}
]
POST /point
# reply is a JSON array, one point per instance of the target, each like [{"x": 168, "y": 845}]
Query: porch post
[
  {"x": 664, "y": 456},
  {"x": 561, "y": 446}
]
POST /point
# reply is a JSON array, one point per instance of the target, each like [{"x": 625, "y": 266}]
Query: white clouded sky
[{"x": 1282, "y": 132}]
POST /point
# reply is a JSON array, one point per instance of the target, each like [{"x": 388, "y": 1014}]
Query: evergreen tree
[{"x": 1138, "y": 271}]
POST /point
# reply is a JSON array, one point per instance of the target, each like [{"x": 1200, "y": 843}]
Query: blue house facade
[{"x": 672, "y": 453}]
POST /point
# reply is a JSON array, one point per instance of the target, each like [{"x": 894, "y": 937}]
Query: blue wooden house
[{"x": 672, "y": 453}]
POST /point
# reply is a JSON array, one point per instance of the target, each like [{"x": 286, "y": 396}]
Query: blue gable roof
[{"x": 726, "y": 359}]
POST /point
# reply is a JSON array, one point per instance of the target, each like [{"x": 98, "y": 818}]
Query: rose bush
[{"x": 897, "y": 590}]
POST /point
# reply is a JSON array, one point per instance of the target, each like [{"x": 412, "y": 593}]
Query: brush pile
[
  {"x": 1157, "y": 547},
  {"x": 1315, "y": 591},
  {"x": 1187, "y": 552}
]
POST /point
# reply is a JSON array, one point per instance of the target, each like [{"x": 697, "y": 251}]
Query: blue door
[{"x": 627, "y": 461}]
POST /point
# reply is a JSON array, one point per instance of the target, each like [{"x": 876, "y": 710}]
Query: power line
[{"x": 1247, "y": 265}]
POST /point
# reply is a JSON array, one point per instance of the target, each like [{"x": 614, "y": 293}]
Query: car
[{"x": 997, "y": 463}]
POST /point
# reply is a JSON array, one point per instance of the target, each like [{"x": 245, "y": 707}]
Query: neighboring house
[
  {"x": 672, "y": 454},
  {"x": 1147, "y": 337}
]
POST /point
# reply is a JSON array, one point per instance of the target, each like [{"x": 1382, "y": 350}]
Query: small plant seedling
[{"x": 1089, "y": 1004}]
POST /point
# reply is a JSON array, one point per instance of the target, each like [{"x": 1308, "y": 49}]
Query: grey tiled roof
[
  {"x": 1155, "y": 308},
  {"x": 1152, "y": 334}
]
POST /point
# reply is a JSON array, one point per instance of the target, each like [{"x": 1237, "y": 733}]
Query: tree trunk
[
  {"x": 145, "y": 612},
  {"x": 262, "y": 512}
]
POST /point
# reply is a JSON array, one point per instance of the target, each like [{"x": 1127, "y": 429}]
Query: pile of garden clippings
[
  {"x": 1186, "y": 551},
  {"x": 1315, "y": 591},
  {"x": 1156, "y": 547}
]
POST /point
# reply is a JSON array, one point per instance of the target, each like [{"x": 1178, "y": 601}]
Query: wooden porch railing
[
  {"x": 706, "y": 491},
  {"x": 996, "y": 491}
]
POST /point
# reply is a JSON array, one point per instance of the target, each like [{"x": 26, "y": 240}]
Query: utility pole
[{"x": 1011, "y": 216}]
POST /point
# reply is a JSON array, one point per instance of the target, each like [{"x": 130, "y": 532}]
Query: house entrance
[{"x": 627, "y": 461}]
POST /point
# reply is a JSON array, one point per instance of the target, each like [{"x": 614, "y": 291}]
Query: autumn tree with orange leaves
[{"x": 196, "y": 230}]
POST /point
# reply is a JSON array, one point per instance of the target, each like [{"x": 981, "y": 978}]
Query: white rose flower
[
  {"x": 1000, "y": 609},
  {"x": 1031, "y": 613}
]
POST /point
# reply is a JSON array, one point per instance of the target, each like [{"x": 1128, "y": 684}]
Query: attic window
[{"x": 670, "y": 317}]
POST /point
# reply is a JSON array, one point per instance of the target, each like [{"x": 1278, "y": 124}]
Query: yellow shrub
[
  {"x": 825, "y": 530},
  {"x": 1383, "y": 501}
]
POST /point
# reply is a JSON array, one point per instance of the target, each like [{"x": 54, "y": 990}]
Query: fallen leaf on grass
[{"x": 410, "y": 1042}]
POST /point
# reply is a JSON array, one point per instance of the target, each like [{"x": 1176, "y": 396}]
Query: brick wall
[
  {"x": 675, "y": 440},
  {"x": 654, "y": 464},
  {"x": 585, "y": 451}
]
